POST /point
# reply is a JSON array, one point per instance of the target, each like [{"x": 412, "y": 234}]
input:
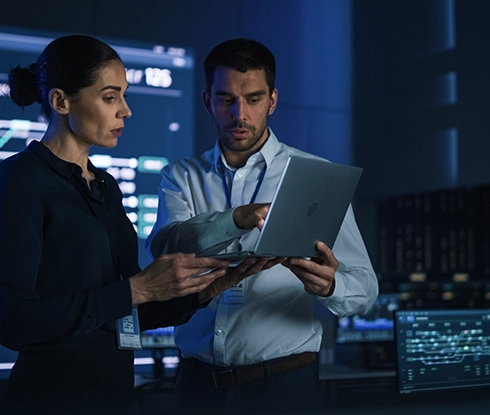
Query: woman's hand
[{"x": 175, "y": 275}]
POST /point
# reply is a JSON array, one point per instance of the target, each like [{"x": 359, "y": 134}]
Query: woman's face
[{"x": 96, "y": 115}]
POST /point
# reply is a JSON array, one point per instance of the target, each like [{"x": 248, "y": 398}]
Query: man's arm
[
  {"x": 180, "y": 225},
  {"x": 343, "y": 279}
]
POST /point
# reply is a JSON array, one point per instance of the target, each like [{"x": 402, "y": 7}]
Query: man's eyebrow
[
  {"x": 250, "y": 94},
  {"x": 257, "y": 93}
]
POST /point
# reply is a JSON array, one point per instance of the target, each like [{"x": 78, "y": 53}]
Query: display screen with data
[
  {"x": 442, "y": 349},
  {"x": 374, "y": 326}
]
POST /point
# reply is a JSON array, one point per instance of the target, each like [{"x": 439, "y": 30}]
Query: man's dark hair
[{"x": 242, "y": 55}]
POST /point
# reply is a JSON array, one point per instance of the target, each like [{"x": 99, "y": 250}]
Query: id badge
[
  {"x": 128, "y": 331},
  {"x": 235, "y": 294}
]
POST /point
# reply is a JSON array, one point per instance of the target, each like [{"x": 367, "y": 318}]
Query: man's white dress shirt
[{"x": 270, "y": 315}]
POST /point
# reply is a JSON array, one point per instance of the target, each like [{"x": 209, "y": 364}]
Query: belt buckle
[{"x": 216, "y": 374}]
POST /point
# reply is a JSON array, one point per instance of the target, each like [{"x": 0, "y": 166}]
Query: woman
[{"x": 68, "y": 253}]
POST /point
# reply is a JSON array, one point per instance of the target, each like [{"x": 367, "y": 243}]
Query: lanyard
[
  {"x": 252, "y": 200},
  {"x": 256, "y": 191}
]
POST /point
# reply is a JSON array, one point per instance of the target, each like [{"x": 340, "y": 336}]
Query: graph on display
[
  {"x": 161, "y": 128},
  {"x": 439, "y": 349}
]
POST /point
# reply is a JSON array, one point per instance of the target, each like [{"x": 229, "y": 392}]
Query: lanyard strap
[{"x": 257, "y": 187}]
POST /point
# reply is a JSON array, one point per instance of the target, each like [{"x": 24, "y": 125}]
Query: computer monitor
[
  {"x": 159, "y": 355},
  {"x": 158, "y": 338},
  {"x": 442, "y": 349},
  {"x": 374, "y": 326}
]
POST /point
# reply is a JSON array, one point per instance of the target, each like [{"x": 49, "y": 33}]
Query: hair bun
[{"x": 24, "y": 90}]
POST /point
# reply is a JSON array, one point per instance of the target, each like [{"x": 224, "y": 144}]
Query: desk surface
[
  {"x": 337, "y": 372},
  {"x": 363, "y": 391}
]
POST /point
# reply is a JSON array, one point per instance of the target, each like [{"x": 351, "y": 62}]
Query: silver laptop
[{"x": 309, "y": 205}]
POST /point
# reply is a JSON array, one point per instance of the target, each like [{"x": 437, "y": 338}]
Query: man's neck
[{"x": 237, "y": 159}]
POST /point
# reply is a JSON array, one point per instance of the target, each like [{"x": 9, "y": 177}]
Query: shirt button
[
  {"x": 239, "y": 174},
  {"x": 219, "y": 332}
]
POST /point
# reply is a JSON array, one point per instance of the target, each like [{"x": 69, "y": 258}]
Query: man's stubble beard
[{"x": 242, "y": 145}]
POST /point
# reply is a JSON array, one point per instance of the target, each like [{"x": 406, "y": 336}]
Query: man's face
[{"x": 239, "y": 105}]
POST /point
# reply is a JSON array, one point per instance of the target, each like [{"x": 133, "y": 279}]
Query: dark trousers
[
  {"x": 96, "y": 379},
  {"x": 295, "y": 391}
]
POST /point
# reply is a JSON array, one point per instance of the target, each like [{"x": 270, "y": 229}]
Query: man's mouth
[{"x": 239, "y": 133}]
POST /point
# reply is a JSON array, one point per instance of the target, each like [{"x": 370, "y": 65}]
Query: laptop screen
[{"x": 442, "y": 349}]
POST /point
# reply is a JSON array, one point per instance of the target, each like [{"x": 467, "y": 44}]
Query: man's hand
[
  {"x": 317, "y": 274},
  {"x": 251, "y": 216},
  {"x": 236, "y": 274}
]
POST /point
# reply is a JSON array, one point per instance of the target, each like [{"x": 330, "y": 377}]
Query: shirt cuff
[
  {"x": 224, "y": 229},
  {"x": 110, "y": 309},
  {"x": 338, "y": 294}
]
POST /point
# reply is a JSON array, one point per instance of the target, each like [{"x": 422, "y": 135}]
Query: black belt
[{"x": 223, "y": 377}]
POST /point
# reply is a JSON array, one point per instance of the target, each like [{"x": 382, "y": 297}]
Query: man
[{"x": 253, "y": 348}]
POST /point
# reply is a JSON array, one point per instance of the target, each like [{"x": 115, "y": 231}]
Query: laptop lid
[{"x": 309, "y": 205}]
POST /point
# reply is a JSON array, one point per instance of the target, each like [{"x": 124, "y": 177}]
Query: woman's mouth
[{"x": 117, "y": 132}]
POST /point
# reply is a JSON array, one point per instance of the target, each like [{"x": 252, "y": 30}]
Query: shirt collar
[
  {"x": 62, "y": 167},
  {"x": 268, "y": 151}
]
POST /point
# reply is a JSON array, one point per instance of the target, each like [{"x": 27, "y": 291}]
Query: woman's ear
[{"x": 58, "y": 101}]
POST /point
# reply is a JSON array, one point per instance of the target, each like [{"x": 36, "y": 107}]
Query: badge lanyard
[{"x": 252, "y": 200}]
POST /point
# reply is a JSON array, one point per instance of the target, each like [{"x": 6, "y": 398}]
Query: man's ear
[
  {"x": 273, "y": 101},
  {"x": 206, "y": 98},
  {"x": 58, "y": 101}
]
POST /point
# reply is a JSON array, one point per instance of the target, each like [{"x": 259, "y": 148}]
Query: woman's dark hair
[
  {"x": 69, "y": 63},
  {"x": 241, "y": 54}
]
